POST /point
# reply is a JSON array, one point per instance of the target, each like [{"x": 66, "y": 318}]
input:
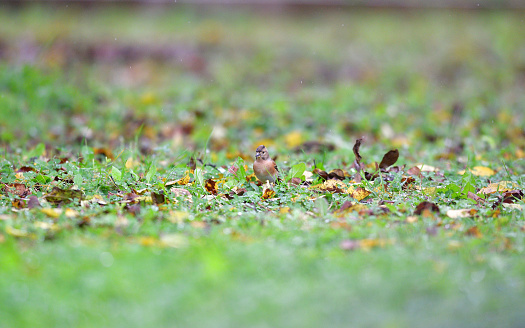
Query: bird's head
[{"x": 261, "y": 152}]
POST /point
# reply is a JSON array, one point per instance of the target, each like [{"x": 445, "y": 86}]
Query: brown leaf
[
  {"x": 512, "y": 196},
  {"x": 389, "y": 159},
  {"x": 24, "y": 169},
  {"x": 473, "y": 232},
  {"x": 295, "y": 181},
  {"x": 426, "y": 206},
  {"x": 321, "y": 173},
  {"x": 406, "y": 182},
  {"x": 509, "y": 197},
  {"x": 18, "y": 189},
  {"x": 336, "y": 174},
  {"x": 358, "y": 157},
  {"x": 158, "y": 198},
  {"x": 475, "y": 197},
  {"x": 104, "y": 152},
  {"x": 57, "y": 195},
  {"x": 414, "y": 171},
  {"x": 191, "y": 164},
  {"x": 211, "y": 186}
]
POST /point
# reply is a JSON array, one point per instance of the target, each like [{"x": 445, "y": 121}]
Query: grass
[{"x": 115, "y": 102}]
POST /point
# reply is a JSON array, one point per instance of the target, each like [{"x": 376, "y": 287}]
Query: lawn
[{"x": 127, "y": 194}]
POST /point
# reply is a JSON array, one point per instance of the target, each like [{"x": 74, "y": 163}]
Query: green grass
[{"x": 115, "y": 101}]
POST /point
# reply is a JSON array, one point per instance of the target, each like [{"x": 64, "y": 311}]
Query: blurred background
[{"x": 234, "y": 74}]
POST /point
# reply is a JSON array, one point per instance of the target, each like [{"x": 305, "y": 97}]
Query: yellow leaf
[
  {"x": 148, "y": 98},
  {"x": 284, "y": 210},
  {"x": 177, "y": 216},
  {"x": 131, "y": 163},
  {"x": 15, "y": 232},
  {"x": 71, "y": 213},
  {"x": 293, "y": 139},
  {"x": 147, "y": 241},
  {"x": 19, "y": 176},
  {"x": 268, "y": 193},
  {"x": 46, "y": 225},
  {"x": 184, "y": 180},
  {"x": 501, "y": 186},
  {"x": 360, "y": 194},
  {"x": 368, "y": 244},
  {"x": 480, "y": 171},
  {"x": 52, "y": 212}
]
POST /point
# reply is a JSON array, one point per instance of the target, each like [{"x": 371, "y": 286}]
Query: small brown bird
[{"x": 264, "y": 167}]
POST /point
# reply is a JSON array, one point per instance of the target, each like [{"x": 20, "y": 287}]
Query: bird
[{"x": 264, "y": 167}]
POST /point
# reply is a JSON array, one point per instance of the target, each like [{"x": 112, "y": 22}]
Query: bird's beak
[{"x": 257, "y": 155}]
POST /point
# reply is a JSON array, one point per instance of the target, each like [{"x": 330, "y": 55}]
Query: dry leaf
[
  {"x": 480, "y": 171},
  {"x": 268, "y": 193},
  {"x": 57, "y": 195},
  {"x": 426, "y": 206},
  {"x": 501, "y": 186},
  {"x": 211, "y": 186},
  {"x": 158, "y": 198},
  {"x": 358, "y": 157},
  {"x": 389, "y": 159},
  {"x": 461, "y": 213},
  {"x": 473, "y": 232}
]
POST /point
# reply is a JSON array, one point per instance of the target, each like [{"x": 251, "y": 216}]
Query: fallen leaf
[
  {"x": 389, "y": 159},
  {"x": 480, "y": 171},
  {"x": 331, "y": 185},
  {"x": 284, "y": 210},
  {"x": 177, "y": 216},
  {"x": 211, "y": 186},
  {"x": 426, "y": 206},
  {"x": 184, "y": 181},
  {"x": 158, "y": 198},
  {"x": 501, "y": 186},
  {"x": 52, "y": 212},
  {"x": 293, "y": 139},
  {"x": 360, "y": 193},
  {"x": 475, "y": 197},
  {"x": 18, "y": 189},
  {"x": 26, "y": 169},
  {"x": 57, "y": 195},
  {"x": 473, "y": 232},
  {"x": 461, "y": 213},
  {"x": 268, "y": 193},
  {"x": 427, "y": 168},
  {"x": 19, "y": 204},
  {"x": 414, "y": 171},
  {"x": 16, "y": 232}
]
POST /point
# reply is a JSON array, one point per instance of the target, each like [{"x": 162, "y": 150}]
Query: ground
[{"x": 127, "y": 196}]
